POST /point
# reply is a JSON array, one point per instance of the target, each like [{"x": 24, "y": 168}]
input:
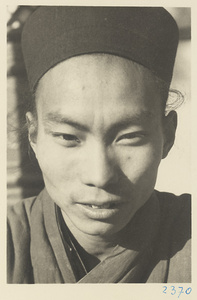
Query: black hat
[{"x": 146, "y": 35}]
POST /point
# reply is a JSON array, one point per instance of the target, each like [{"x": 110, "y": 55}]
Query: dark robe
[{"x": 155, "y": 246}]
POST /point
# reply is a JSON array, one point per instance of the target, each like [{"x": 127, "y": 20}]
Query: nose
[{"x": 100, "y": 168}]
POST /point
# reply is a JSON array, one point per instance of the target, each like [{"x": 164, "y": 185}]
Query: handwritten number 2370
[{"x": 173, "y": 290}]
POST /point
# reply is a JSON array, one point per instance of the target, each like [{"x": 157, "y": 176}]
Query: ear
[
  {"x": 170, "y": 125},
  {"x": 32, "y": 130}
]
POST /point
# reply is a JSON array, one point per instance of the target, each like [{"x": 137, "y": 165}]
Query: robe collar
[{"x": 128, "y": 260}]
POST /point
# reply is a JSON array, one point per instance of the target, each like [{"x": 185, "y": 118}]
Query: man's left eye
[{"x": 132, "y": 137}]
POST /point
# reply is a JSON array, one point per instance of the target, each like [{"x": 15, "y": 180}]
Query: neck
[{"x": 96, "y": 245}]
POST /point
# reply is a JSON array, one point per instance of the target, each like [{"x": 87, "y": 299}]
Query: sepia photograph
[{"x": 98, "y": 144}]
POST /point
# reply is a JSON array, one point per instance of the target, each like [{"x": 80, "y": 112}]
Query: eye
[
  {"x": 132, "y": 138},
  {"x": 67, "y": 140}
]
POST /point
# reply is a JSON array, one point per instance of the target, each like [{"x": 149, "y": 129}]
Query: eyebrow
[
  {"x": 58, "y": 118},
  {"x": 136, "y": 118}
]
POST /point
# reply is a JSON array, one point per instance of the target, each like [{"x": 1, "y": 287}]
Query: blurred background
[{"x": 23, "y": 174}]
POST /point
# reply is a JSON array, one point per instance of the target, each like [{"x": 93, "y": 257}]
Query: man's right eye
[{"x": 67, "y": 140}]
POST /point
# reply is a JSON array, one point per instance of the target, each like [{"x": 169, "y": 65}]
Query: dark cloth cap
[{"x": 146, "y": 35}]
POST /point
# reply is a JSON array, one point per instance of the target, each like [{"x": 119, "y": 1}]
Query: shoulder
[
  {"x": 176, "y": 223},
  {"x": 184, "y": 199},
  {"x": 176, "y": 207},
  {"x": 176, "y": 213},
  {"x": 19, "y": 213},
  {"x": 18, "y": 242}
]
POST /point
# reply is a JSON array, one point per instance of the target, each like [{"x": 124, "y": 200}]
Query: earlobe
[
  {"x": 32, "y": 130},
  {"x": 170, "y": 125}
]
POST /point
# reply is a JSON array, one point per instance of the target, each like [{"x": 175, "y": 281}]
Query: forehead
[
  {"x": 97, "y": 81},
  {"x": 98, "y": 65}
]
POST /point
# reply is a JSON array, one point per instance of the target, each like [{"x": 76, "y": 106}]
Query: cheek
[
  {"x": 57, "y": 169},
  {"x": 141, "y": 163},
  {"x": 56, "y": 165}
]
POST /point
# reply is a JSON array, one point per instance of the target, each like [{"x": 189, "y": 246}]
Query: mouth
[
  {"x": 101, "y": 211},
  {"x": 103, "y": 206}
]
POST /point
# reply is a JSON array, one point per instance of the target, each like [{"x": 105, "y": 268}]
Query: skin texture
[{"x": 101, "y": 135}]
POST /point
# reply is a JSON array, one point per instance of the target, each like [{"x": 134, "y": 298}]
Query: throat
[{"x": 94, "y": 246}]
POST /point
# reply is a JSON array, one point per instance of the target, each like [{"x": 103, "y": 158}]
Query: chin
[{"x": 102, "y": 230}]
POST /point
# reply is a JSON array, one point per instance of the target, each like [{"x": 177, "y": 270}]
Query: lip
[{"x": 101, "y": 211}]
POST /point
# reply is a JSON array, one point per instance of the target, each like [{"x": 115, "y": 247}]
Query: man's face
[{"x": 100, "y": 140}]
